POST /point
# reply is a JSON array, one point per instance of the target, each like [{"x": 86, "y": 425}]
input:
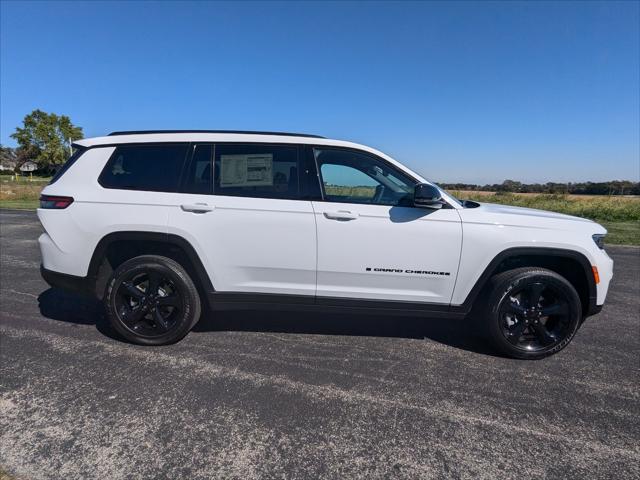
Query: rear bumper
[
  {"x": 67, "y": 282},
  {"x": 594, "y": 310}
]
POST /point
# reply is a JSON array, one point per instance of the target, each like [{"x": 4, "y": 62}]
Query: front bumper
[{"x": 605, "y": 270}]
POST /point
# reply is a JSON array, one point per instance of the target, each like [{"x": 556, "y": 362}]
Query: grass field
[
  {"x": 22, "y": 194},
  {"x": 620, "y": 215},
  {"x": 623, "y": 233},
  {"x": 596, "y": 207}
]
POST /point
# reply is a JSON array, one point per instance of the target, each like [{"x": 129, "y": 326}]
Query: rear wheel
[
  {"x": 531, "y": 313},
  {"x": 151, "y": 300}
]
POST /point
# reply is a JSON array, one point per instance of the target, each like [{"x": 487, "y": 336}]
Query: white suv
[{"x": 155, "y": 223}]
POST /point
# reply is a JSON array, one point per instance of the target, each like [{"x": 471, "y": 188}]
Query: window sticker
[{"x": 246, "y": 170}]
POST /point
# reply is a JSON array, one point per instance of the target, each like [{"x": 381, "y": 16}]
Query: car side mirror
[{"x": 427, "y": 196}]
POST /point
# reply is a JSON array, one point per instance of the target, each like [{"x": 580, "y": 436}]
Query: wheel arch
[
  {"x": 115, "y": 248},
  {"x": 571, "y": 264}
]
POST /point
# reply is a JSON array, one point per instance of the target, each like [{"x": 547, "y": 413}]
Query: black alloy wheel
[
  {"x": 151, "y": 300},
  {"x": 531, "y": 312},
  {"x": 535, "y": 317},
  {"x": 149, "y": 303}
]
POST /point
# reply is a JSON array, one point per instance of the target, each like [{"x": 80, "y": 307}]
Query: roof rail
[{"x": 245, "y": 132}]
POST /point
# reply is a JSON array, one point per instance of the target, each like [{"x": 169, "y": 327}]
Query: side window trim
[
  {"x": 79, "y": 151},
  {"x": 312, "y": 183},
  {"x": 188, "y": 163},
  {"x": 185, "y": 166}
]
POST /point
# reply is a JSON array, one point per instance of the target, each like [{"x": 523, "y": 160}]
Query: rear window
[
  {"x": 154, "y": 168},
  {"x": 77, "y": 153}
]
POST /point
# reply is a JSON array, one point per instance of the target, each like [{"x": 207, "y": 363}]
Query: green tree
[
  {"x": 45, "y": 138},
  {"x": 511, "y": 186}
]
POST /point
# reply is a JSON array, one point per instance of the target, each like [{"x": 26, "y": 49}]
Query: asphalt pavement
[{"x": 288, "y": 395}]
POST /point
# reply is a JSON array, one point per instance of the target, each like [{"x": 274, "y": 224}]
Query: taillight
[{"x": 55, "y": 202}]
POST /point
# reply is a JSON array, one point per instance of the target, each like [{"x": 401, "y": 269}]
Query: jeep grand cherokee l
[{"x": 155, "y": 223}]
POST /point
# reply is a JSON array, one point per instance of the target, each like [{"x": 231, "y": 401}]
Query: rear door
[
  {"x": 372, "y": 243},
  {"x": 241, "y": 208}
]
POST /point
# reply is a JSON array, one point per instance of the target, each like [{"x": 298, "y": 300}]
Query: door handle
[
  {"x": 341, "y": 215},
  {"x": 197, "y": 208}
]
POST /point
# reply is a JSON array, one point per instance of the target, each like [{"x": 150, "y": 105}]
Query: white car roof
[{"x": 204, "y": 136}]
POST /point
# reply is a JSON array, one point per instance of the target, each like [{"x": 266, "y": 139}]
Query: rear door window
[
  {"x": 198, "y": 176},
  {"x": 257, "y": 170},
  {"x": 154, "y": 168}
]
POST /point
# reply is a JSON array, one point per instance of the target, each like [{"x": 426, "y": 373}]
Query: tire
[
  {"x": 520, "y": 326},
  {"x": 151, "y": 300}
]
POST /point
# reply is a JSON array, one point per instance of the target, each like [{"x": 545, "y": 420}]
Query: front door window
[{"x": 354, "y": 177}]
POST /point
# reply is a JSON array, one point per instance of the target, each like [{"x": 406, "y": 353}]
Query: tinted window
[
  {"x": 352, "y": 177},
  {"x": 198, "y": 177},
  {"x": 256, "y": 170},
  {"x": 153, "y": 168}
]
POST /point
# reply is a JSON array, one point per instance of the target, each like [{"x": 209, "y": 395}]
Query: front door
[{"x": 372, "y": 243}]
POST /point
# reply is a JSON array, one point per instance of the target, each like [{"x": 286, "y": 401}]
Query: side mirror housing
[{"x": 427, "y": 196}]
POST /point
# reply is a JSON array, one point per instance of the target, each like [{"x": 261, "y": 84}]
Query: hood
[{"x": 493, "y": 208}]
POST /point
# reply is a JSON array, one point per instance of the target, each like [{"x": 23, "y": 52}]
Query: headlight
[{"x": 599, "y": 239}]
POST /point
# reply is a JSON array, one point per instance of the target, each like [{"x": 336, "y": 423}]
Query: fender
[
  {"x": 543, "y": 252},
  {"x": 100, "y": 251}
]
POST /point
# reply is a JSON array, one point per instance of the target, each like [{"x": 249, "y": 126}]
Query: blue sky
[{"x": 474, "y": 92}]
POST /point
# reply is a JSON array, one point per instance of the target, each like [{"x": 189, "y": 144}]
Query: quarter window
[
  {"x": 256, "y": 170},
  {"x": 354, "y": 177},
  {"x": 154, "y": 168}
]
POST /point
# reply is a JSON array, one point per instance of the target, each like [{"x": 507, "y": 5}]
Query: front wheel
[
  {"x": 151, "y": 300},
  {"x": 531, "y": 313}
]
